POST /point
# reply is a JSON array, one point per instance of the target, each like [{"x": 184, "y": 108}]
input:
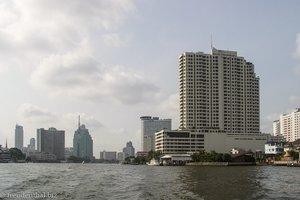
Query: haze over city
[{"x": 114, "y": 61}]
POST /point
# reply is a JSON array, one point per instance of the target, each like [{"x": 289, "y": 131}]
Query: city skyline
[{"x": 113, "y": 68}]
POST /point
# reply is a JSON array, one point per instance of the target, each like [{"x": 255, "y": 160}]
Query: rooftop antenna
[
  {"x": 6, "y": 144},
  {"x": 211, "y": 42}
]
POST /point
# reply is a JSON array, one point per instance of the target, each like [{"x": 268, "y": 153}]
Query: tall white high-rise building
[
  {"x": 276, "y": 127},
  {"x": 19, "y": 136},
  {"x": 288, "y": 126},
  {"x": 149, "y": 126},
  {"x": 219, "y": 92}
]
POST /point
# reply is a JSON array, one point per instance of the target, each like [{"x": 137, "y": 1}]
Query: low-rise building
[
  {"x": 185, "y": 141},
  {"x": 178, "y": 142},
  {"x": 41, "y": 156},
  {"x": 273, "y": 148},
  {"x": 121, "y": 156},
  {"x": 108, "y": 155},
  {"x": 141, "y": 153}
]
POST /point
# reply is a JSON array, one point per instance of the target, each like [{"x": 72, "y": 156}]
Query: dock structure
[{"x": 175, "y": 159}]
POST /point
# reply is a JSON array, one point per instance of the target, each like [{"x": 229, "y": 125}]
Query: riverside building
[
  {"x": 288, "y": 126},
  {"x": 218, "y": 102},
  {"x": 108, "y": 155},
  {"x": 170, "y": 142},
  {"x": 218, "y": 92},
  {"x": 51, "y": 141},
  {"x": 150, "y": 125}
]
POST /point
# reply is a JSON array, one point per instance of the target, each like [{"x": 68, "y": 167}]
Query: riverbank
[{"x": 221, "y": 164}]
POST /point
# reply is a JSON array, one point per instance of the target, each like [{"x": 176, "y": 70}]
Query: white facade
[
  {"x": 149, "y": 126},
  {"x": 276, "y": 128},
  {"x": 273, "y": 148},
  {"x": 173, "y": 142},
  {"x": 224, "y": 143},
  {"x": 289, "y": 125},
  {"x": 19, "y": 137},
  {"x": 219, "y": 92},
  {"x": 178, "y": 142}
]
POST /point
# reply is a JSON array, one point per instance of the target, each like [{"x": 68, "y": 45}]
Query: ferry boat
[{"x": 5, "y": 156}]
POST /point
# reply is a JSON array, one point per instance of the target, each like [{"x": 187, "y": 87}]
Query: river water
[{"x": 111, "y": 181}]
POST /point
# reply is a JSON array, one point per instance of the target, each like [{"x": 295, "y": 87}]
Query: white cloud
[
  {"x": 35, "y": 115},
  {"x": 77, "y": 74},
  {"x": 266, "y": 125},
  {"x": 170, "y": 105},
  {"x": 295, "y": 100},
  {"x": 32, "y": 29},
  {"x": 297, "y": 54}
]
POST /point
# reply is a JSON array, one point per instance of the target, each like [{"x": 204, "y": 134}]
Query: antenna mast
[{"x": 211, "y": 42}]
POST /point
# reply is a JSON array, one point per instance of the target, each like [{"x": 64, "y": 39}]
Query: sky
[{"x": 113, "y": 61}]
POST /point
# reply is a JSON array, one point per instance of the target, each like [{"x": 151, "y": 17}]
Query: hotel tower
[{"x": 218, "y": 92}]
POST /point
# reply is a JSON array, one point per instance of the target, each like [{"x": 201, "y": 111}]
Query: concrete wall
[{"x": 223, "y": 143}]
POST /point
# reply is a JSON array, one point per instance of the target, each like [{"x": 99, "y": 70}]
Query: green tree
[
  {"x": 153, "y": 154},
  {"x": 16, "y": 154},
  {"x": 294, "y": 154},
  {"x": 75, "y": 159},
  {"x": 226, "y": 157}
]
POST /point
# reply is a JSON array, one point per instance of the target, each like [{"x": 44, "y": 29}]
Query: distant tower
[
  {"x": 51, "y": 141},
  {"x": 19, "y": 135},
  {"x": 6, "y": 145},
  {"x": 82, "y": 143},
  {"x": 129, "y": 150},
  {"x": 32, "y": 144},
  {"x": 78, "y": 121},
  {"x": 150, "y": 125}
]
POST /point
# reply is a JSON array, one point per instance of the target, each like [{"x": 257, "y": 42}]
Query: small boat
[{"x": 153, "y": 162}]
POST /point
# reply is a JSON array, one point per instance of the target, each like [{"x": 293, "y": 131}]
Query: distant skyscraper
[
  {"x": 108, "y": 155},
  {"x": 149, "y": 126},
  {"x": 32, "y": 144},
  {"x": 218, "y": 92},
  {"x": 288, "y": 126},
  {"x": 19, "y": 135},
  {"x": 51, "y": 141},
  {"x": 82, "y": 143},
  {"x": 121, "y": 156},
  {"x": 129, "y": 150},
  {"x": 276, "y": 128}
]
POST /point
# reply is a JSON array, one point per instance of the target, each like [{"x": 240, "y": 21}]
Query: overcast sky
[{"x": 112, "y": 61}]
